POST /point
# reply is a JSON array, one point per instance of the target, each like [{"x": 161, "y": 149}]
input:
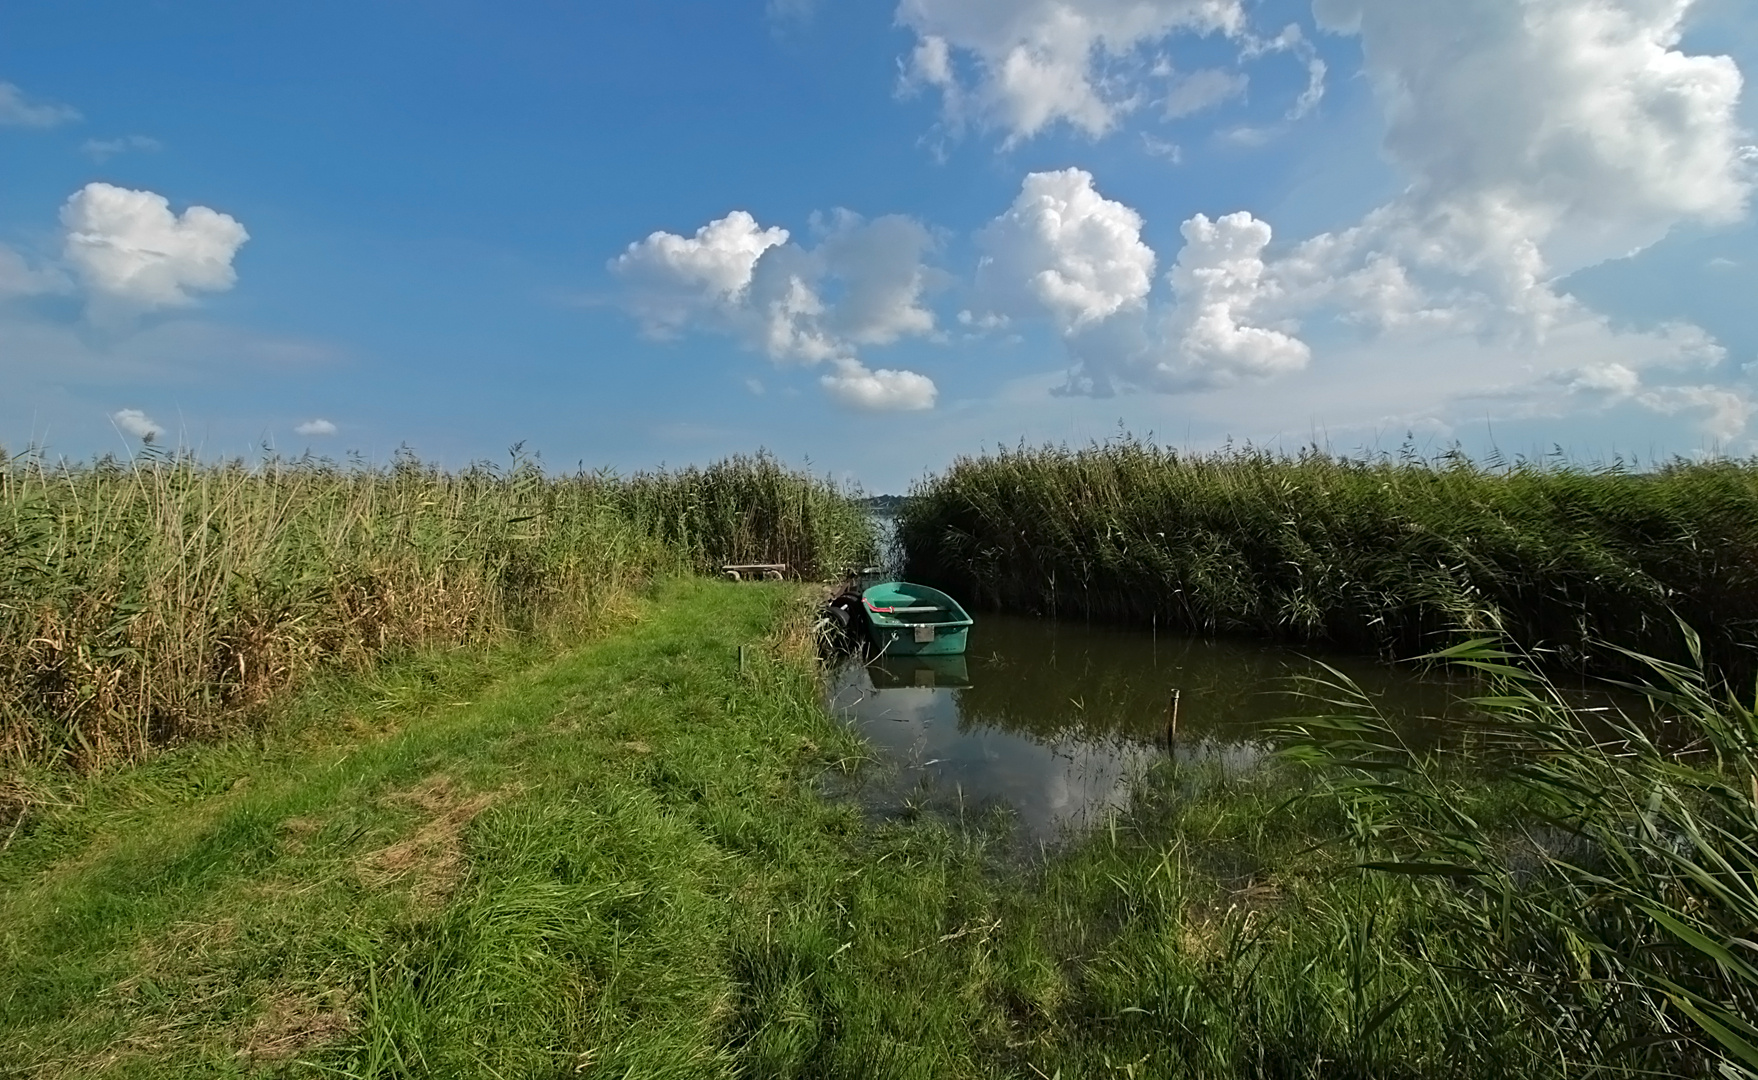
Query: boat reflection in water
[
  {"x": 1054, "y": 724},
  {"x": 932, "y": 672}
]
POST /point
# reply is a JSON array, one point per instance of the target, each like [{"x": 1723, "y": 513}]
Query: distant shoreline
[{"x": 883, "y": 504}]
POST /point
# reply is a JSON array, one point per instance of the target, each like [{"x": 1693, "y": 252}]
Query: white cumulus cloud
[
  {"x": 1065, "y": 249},
  {"x": 1614, "y": 379},
  {"x": 1065, "y": 252},
  {"x": 136, "y": 423},
  {"x": 131, "y": 252},
  {"x": 878, "y": 391},
  {"x": 1028, "y": 64},
  {"x": 1221, "y": 285},
  {"x": 1542, "y": 137},
  {"x": 861, "y": 284},
  {"x": 315, "y": 427},
  {"x": 16, "y": 110},
  {"x": 673, "y": 279}
]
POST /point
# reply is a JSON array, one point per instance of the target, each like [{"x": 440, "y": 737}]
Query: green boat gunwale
[
  {"x": 920, "y": 600},
  {"x": 898, "y": 611}
]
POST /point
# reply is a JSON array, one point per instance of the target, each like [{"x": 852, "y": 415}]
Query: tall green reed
[
  {"x": 1588, "y": 877},
  {"x": 143, "y": 601},
  {"x": 1382, "y": 554},
  {"x": 749, "y": 509}
]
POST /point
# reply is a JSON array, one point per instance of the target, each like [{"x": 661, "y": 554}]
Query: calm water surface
[{"x": 1054, "y": 723}]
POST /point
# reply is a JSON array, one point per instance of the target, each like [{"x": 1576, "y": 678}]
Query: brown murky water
[{"x": 1055, "y": 723}]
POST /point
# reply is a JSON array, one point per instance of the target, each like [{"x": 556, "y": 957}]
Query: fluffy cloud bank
[
  {"x": 315, "y": 427},
  {"x": 1022, "y": 65},
  {"x": 1537, "y": 138},
  {"x": 132, "y": 253},
  {"x": 1065, "y": 252},
  {"x": 1064, "y": 249},
  {"x": 862, "y": 284}
]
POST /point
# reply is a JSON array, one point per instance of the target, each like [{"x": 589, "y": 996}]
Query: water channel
[{"x": 1054, "y": 723}]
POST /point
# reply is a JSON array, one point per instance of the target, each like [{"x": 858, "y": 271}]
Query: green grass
[
  {"x": 614, "y": 860},
  {"x": 623, "y": 862},
  {"x": 1394, "y": 556},
  {"x": 341, "y": 771},
  {"x": 1596, "y": 874}
]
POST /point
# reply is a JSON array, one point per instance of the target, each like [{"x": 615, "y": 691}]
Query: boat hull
[
  {"x": 901, "y": 641},
  {"x": 904, "y": 619}
]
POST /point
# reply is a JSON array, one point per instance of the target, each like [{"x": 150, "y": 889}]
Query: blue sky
[{"x": 877, "y": 235}]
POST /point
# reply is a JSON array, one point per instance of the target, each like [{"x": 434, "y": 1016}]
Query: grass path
[{"x": 606, "y": 864}]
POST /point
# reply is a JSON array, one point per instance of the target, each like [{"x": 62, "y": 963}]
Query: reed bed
[
  {"x": 1583, "y": 878},
  {"x": 1383, "y": 554},
  {"x": 145, "y": 601},
  {"x": 749, "y": 509}
]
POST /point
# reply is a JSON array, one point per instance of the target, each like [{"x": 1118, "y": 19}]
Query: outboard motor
[{"x": 845, "y": 612}]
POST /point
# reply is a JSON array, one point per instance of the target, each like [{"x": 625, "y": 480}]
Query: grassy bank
[
  {"x": 610, "y": 863},
  {"x": 616, "y": 863},
  {"x": 613, "y": 861},
  {"x": 1386, "y": 555},
  {"x": 144, "y": 602}
]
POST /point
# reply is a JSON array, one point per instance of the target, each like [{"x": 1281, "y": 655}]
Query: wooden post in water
[{"x": 1172, "y": 724}]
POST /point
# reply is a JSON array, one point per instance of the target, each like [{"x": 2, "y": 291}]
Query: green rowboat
[{"x": 905, "y": 619}]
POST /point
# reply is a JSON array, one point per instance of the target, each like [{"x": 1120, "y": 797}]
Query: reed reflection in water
[{"x": 1055, "y": 723}]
